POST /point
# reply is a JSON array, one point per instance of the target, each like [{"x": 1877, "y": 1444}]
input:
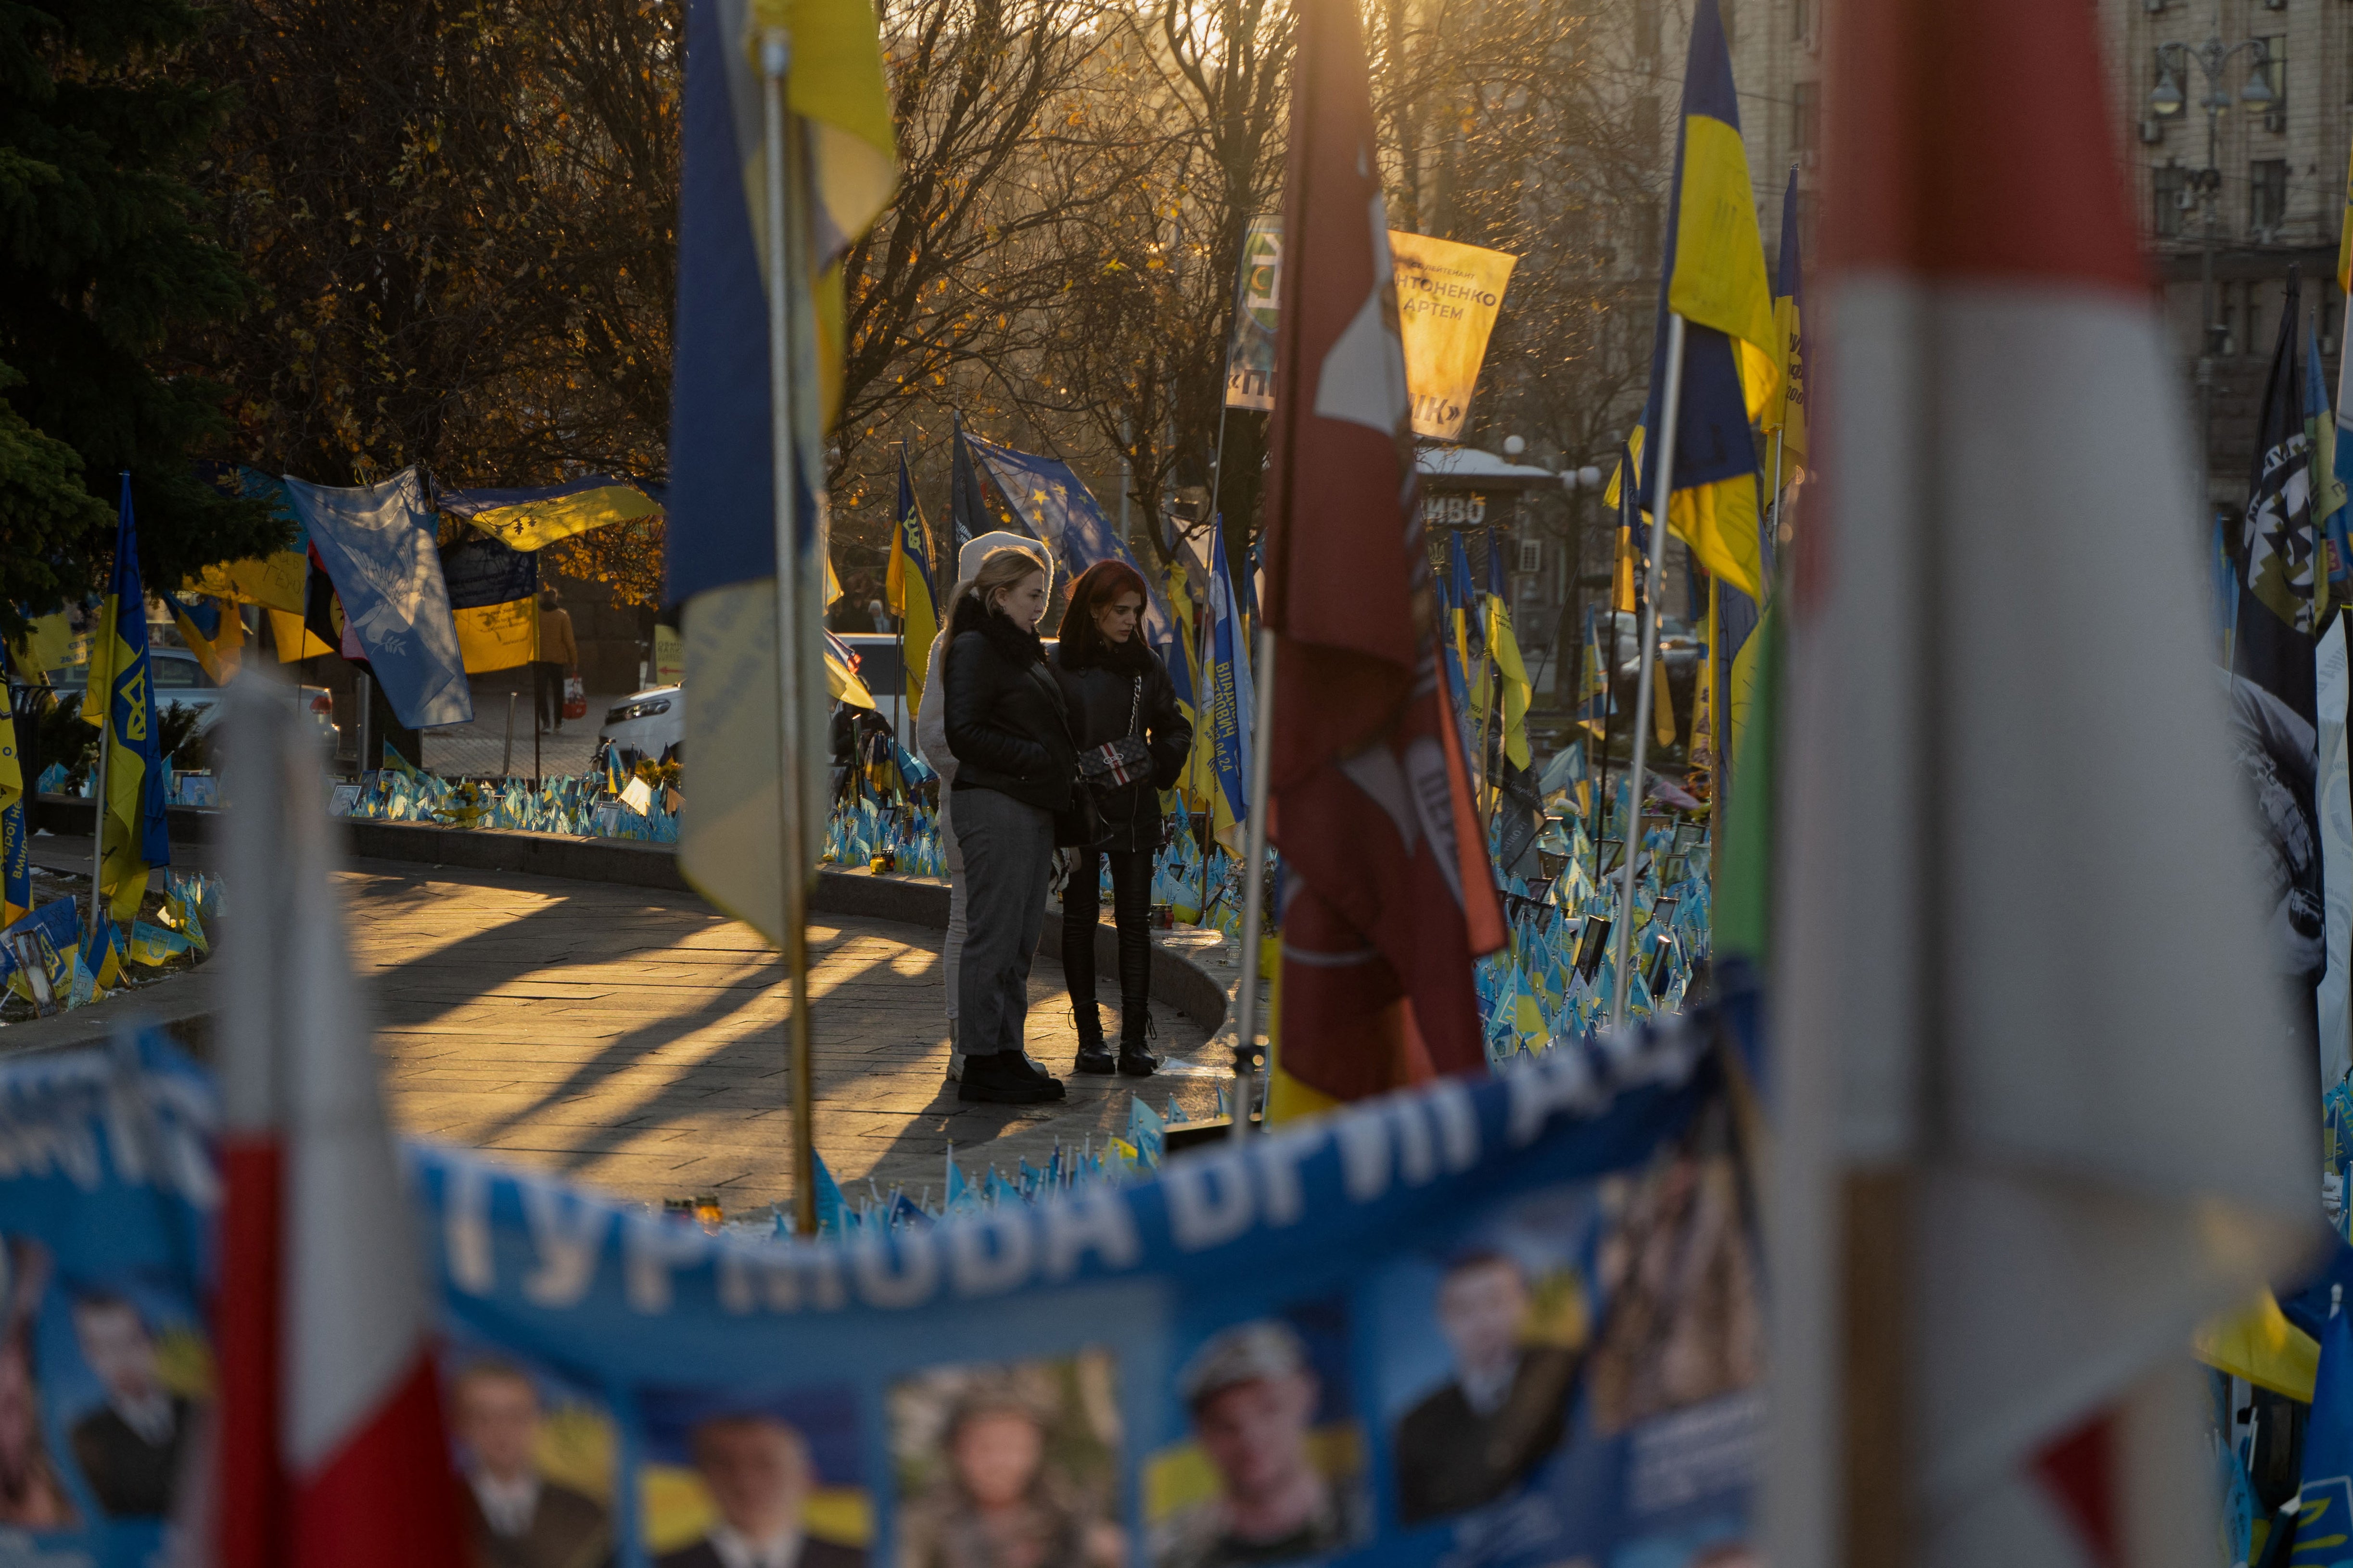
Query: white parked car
[
  {"x": 647, "y": 722},
  {"x": 180, "y": 678}
]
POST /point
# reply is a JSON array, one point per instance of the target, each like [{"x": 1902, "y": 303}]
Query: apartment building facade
[{"x": 2256, "y": 151}]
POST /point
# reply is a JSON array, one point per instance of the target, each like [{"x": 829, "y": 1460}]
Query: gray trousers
[{"x": 1008, "y": 859}]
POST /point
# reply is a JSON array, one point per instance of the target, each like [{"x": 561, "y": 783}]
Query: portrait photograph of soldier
[
  {"x": 1563, "y": 1319},
  {"x": 1683, "y": 1320},
  {"x": 128, "y": 1446},
  {"x": 526, "y": 1506},
  {"x": 754, "y": 1482},
  {"x": 1505, "y": 1404},
  {"x": 1012, "y": 1465},
  {"x": 1269, "y": 1465}
]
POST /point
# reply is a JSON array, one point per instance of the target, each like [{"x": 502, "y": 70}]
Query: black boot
[
  {"x": 1094, "y": 1056},
  {"x": 1135, "y": 1058},
  {"x": 1003, "y": 1079}
]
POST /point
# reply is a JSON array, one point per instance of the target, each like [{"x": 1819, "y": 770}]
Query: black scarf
[{"x": 1018, "y": 646}]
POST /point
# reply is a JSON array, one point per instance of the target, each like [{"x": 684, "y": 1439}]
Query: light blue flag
[
  {"x": 1231, "y": 703},
  {"x": 377, "y": 543},
  {"x": 1055, "y": 506},
  {"x": 829, "y": 1205}
]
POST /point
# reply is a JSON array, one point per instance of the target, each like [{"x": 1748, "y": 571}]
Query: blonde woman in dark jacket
[{"x": 1009, "y": 725}]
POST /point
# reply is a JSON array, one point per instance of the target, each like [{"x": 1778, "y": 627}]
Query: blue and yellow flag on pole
[
  {"x": 1714, "y": 280},
  {"x": 16, "y": 862},
  {"x": 134, "y": 837},
  {"x": 722, "y": 499},
  {"x": 1787, "y": 414},
  {"x": 907, "y": 588}
]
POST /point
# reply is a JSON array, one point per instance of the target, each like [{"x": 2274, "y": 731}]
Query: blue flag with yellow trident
[
  {"x": 1714, "y": 280},
  {"x": 133, "y": 838}
]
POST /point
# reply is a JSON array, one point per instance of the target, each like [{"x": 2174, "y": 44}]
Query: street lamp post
[{"x": 2211, "y": 57}]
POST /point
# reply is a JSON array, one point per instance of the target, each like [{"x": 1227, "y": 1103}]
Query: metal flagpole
[
  {"x": 1254, "y": 878},
  {"x": 899, "y": 546},
  {"x": 775, "y": 58},
  {"x": 105, "y": 639},
  {"x": 1661, "y": 499},
  {"x": 1204, "y": 759},
  {"x": 1628, "y": 508}
]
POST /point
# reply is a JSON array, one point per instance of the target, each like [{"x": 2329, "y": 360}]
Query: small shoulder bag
[{"x": 1123, "y": 761}]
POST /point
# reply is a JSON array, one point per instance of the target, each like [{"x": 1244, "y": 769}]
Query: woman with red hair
[{"x": 1132, "y": 740}]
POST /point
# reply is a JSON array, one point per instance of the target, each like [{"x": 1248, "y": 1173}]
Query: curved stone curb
[
  {"x": 182, "y": 1004},
  {"x": 1200, "y": 995}
]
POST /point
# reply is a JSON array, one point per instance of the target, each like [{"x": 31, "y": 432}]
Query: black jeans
[
  {"x": 1131, "y": 892},
  {"x": 547, "y": 680}
]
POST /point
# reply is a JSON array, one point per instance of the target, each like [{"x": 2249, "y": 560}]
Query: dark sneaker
[{"x": 1003, "y": 1079}]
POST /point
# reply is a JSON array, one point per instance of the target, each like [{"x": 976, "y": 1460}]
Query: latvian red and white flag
[
  {"x": 1390, "y": 892},
  {"x": 2021, "y": 977},
  {"x": 329, "y": 1450}
]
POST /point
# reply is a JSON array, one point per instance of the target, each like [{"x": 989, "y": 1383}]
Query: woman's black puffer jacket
[
  {"x": 1007, "y": 716},
  {"x": 1102, "y": 692}
]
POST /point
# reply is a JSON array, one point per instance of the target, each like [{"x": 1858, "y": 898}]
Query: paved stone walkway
[{"x": 635, "y": 1039}]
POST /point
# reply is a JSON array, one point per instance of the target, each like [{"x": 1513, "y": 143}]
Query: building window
[
  {"x": 1806, "y": 120},
  {"x": 1802, "y": 20},
  {"x": 2275, "y": 69},
  {"x": 2267, "y": 198},
  {"x": 1646, "y": 31},
  {"x": 1646, "y": 127},
  {"x": 2169, "y": 183}
]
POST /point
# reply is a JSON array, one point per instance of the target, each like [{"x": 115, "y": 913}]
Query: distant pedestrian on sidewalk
[
  {"x": 1132, "y": 740},
  {"x": 931, "y": 741},
  {"x": 1009, "y": 725},
  {"x": 559, "y": 656}
]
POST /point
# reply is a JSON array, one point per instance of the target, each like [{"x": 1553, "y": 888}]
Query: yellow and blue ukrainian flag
[
  {"x": 16, "y": 863},
  {"x": 2324, "y": 1522},
  {"x": 1714, "y": 280},
  {"x": 1787, "y": 414},
  {"x": 722, "y": 501},
  {"x": 133, "y": 838},
  {"x": 533, "y": 519},
  {"x": 1229, "y": 707},
  {"x": 1175, "y": 586},
  {"x": 843, "y": 681},
  {"x": 907, "y": 588},
  {"x": 212, "y": 631}
]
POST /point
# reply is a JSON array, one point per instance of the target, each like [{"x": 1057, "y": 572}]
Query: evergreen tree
[{"x": 103, "y": 263}]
